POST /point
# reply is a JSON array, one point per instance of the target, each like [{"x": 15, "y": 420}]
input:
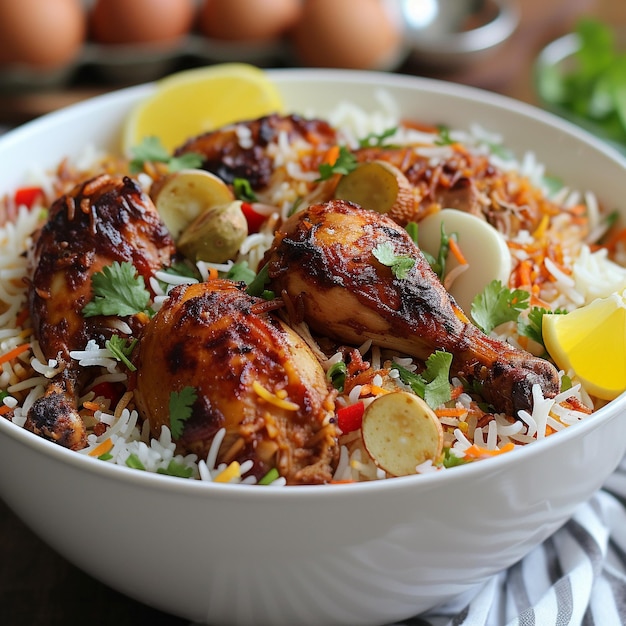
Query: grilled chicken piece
[
  {"x": 322, "y": 259},
  {"x": 251, "y": 374},
  {"x": 242, "y": 150},
  {"x": 464, "y": 181},
  {"x": 102, "y": 220}
]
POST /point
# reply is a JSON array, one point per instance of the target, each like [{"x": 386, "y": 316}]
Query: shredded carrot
[
  {"x": 615, "y": 238},
  {"x": 225, "y": 476},
  {"x": 523, "y": 273},
  {"x": 212, "y": 273},
  {"x": 455, "y": 392},
  {"x": 478, "y": 452},
  {"x": 11, "y": 354},
  {"x": 4, "y": 409},
  {"x": 456, "y": 250},
  {"x": 451, "y": 412},
  {"x": 373, "y": 390},
  {"x": 91, "y": 406},
  {"x": 102, "y": 448},
  {"x": 331, "y": 156}
]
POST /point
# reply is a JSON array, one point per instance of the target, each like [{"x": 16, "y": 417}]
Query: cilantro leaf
[
  {"x": 180, "y": 409},
  {"x": 377, "y": 140},
  {"x": 433, "y": 384},
  {"x": 532, "y": 326},
  {"x": 437, "y": 377},
  {"x": 345, "y": 163},
  {"x": 498, "y": 304},
  {"x": 118, "y": 290},
  {"x": 400, "y": 264},
  {"x": 152, "y": 150},
  {"x": 591, "y": 86},
  {"x": 121, "y": 349},
  {"x": 444, "y": 138}
]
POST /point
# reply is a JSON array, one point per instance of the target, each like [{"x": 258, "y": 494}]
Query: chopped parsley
[
  {"x": 345, "y": 163},
  {"x": 151, "y": 150},
  {"x": 400, "y": 264},
  {"x": 243, "y": 190},
  {"x": 121, "y": 349},
  {"x": 118, "y": 290},
  {"x": 498, "y": 304},
  {"x": 180, "y": 409},
  {"x": 433, "y": 384}
]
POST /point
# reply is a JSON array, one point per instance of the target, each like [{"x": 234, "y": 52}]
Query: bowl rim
[{"x": 413, "y": 483}]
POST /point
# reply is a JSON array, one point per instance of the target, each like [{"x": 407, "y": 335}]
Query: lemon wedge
[
  {"x": 198, "y": 100},
  {"x": 591, "y": 341}
]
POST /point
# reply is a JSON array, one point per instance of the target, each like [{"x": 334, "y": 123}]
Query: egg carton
[{"x": 137, "y": 63}]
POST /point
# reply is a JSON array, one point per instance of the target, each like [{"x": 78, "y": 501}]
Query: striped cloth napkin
[{"x": 576, "y": 577}]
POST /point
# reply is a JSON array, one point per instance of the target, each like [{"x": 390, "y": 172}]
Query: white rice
[{"x": 593, "y": 276}]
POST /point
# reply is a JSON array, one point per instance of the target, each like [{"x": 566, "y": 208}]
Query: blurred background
[{"x": 55, "y": 52}]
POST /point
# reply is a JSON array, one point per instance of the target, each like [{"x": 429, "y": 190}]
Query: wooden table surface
[{"x": 39, "y": 588}]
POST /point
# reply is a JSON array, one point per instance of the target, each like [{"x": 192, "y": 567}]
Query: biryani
[{"x": 337, "y": 418}]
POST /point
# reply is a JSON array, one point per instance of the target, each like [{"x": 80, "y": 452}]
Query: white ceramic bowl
[{"x": 366, "y": 553}]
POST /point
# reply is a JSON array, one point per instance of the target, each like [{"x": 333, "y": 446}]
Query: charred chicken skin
[
  {"x": 102, "y": 220},
  {"x": 322, "y": 260},
  {"x": 250, "y": 374},
  {"x": 241, "y": 150}
]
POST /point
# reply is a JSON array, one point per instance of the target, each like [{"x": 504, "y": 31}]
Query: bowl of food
[
  {"x": 288, "y": 417},
  {"x": 579, "y": 77}
]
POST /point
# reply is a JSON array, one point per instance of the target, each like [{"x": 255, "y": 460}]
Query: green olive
[{"x": 215, "y": 235}]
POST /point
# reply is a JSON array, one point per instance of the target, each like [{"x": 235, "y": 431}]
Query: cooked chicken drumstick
[
  {"x": 100, "y": 221},
  {"x": 322, "y": 259},
  {"x": 250, "y": 374}
]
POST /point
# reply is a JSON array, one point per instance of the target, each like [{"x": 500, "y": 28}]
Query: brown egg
[
  {"x": 355, "y": 34},
  {"x": 247, "y": 20},
  {"x": 41, "y": 33},
  {"x": 140, "y": 21}
]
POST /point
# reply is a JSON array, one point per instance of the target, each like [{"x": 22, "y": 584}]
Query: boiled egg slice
[{"x": 482, "y": 246}]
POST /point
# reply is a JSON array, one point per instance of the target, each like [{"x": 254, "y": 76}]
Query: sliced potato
[
  {"x": 182, "y": 196},
  {"x": 216, "y": 234},
  {"x": 378, "y": 186},
  {"x": 400, "y": 431}
]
